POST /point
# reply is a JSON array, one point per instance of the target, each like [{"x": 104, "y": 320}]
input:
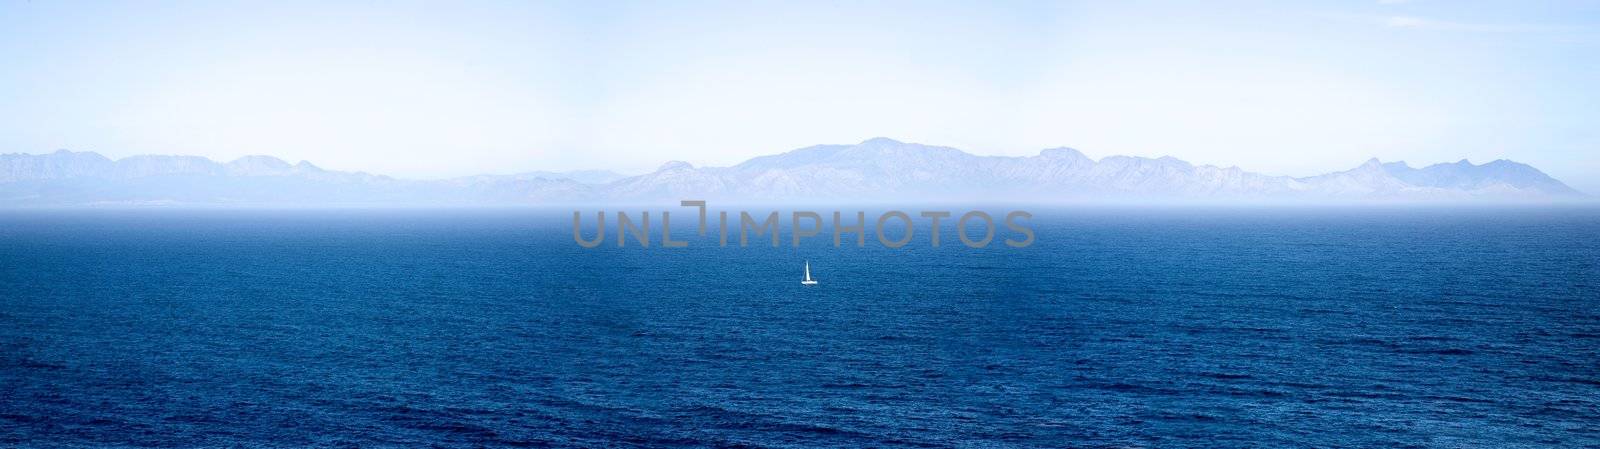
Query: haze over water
[{"x": 1154, "y": 327}]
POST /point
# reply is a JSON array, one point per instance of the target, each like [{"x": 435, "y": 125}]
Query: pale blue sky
[{"x": 442, "y": 89}]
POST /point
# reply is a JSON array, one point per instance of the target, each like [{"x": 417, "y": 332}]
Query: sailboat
[{"x": 808, "y": 280}]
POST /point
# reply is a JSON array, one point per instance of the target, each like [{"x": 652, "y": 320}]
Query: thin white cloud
[{"x": 1421, "y": 23}]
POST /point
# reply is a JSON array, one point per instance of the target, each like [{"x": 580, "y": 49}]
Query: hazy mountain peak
[
  {"x": 257, "y": 165},
  {"x": 62, "y": 163},
  {"x": 1500, "y": 177},
  {"x": 1174, "y": 161},
  {"x": 675, "y": 166},
  {"x": 1396, "y": 165},
  {"x": 260, "y": 161},
  {"x": 65, "y": 154},
  {"x": 880, "y": 141},
  {"x": 1062, "y": 153}
]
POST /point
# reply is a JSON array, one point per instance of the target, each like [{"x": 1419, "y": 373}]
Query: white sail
[{"x": 808, "y": 280}]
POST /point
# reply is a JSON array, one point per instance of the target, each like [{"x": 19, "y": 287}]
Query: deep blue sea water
[{"x": 1120, "y": 327}]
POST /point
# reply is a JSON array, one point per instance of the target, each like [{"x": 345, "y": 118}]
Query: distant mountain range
[{"x": 875, "y": 170}]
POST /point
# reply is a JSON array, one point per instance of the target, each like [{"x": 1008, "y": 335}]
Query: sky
[{"x": 440, "y": 89}]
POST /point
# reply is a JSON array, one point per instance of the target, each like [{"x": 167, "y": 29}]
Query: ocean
[{"x": 1118, "y": 327}]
